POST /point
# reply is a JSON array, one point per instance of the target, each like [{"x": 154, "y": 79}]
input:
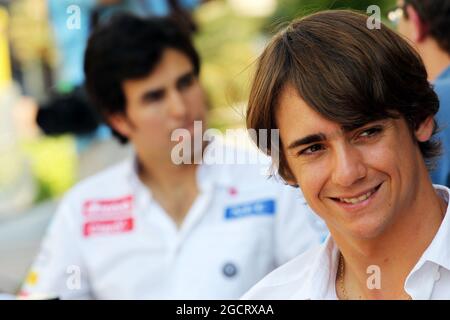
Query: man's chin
[{"x": 366, "y": 231}]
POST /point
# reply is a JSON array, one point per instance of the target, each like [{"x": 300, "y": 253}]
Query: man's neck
[
  {"x": 173, "y": 186},
  {"x": 166, "y": 176},
  {"x": 394, "y": 254},
  {"x": 435, "y": 59}
]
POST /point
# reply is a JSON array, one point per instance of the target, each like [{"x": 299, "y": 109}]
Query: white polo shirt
[
  {"x": 312, "y": 275},
  {"x": 110, "y": 240}
]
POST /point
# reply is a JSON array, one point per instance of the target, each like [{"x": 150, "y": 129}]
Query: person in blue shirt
[{"x": 427, "y": 25}]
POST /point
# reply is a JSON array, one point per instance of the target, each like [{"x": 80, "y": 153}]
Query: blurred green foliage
[
  {"x": 226, "y": 42},
  {"x": 53, "y": 162},
  {"x": 288, "y": 10}
]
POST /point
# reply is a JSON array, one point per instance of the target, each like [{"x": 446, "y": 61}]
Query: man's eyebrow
[
  {"x": 307, "y": 140},
  {"x": 352, "y": 127}
]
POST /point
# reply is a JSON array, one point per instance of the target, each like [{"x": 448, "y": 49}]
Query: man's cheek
[{"x": 309, "y": 189}]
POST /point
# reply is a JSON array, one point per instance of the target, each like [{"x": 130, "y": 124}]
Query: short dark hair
[
  {"x": 344, "y": 71},
  {"x": 436, "y": 15},
  {"x": 129, "y": 47}
]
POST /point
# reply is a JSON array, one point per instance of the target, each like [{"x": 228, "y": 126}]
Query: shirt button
[{"x": 229, "y": 270}]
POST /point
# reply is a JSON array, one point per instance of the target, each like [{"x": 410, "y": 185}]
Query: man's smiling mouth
[{"x": 357, "y": 198}]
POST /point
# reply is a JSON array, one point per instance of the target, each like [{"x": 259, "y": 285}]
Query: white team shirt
[
  {"x": 312, "y": 275},
  {"x": 110, "y": 240}
]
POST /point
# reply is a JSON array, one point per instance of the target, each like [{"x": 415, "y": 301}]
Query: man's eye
[
  {"x": 154, "y": 96},
  {"x": 370, "y": 132},
  {"x": 186, "y": 81},
  {"x": 312, "y": 149}
]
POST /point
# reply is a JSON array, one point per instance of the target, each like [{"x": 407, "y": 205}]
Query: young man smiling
[{"x": 355, "y": 113}]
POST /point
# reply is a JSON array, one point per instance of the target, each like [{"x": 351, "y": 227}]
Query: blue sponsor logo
[{"x": 263, "y": 207}]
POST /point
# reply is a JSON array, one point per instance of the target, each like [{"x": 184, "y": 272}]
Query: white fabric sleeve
[
  {"x": 297, "y": 227},
  {"x": 58, "y": 271}
]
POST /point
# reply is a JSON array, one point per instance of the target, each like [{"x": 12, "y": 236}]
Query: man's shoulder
[
  {"x": 244, "y": 165},
  {"x": 290, "y": 281}
]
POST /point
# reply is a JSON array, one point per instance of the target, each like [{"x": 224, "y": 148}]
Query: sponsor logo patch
[
  {"x": 108, "y": 216},
  {"x": 262, "y": 207},
  {"x": 32, "y": 278}
]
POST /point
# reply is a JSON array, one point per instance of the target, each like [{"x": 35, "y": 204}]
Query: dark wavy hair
[
  {"x": 347, "y": 73},
  {"x": 129, "y": 47}
]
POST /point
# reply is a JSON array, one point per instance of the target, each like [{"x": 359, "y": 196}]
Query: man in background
[
  {"x": 426, "y": 23},
  {"x": 149, "y": 228}
]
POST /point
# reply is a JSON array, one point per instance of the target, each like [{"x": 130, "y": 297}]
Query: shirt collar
[
  {"x": 421, "y": 280},
  {"x": 324, "y": 266},
  {"x": 208, "y": 175},
  {"x": 438, "y": 251},
  {"x": 322, "y": 272}
]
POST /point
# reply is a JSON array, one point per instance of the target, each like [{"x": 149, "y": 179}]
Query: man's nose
[
  {"x": 348, "y": 166},
  {"x": 177, "y": 105}
]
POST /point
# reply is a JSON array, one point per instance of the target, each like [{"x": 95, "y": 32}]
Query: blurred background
[{"x": 42, "y": 154}]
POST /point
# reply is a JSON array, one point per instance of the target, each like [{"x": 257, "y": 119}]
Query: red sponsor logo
[
  {"x": 97, "y": 209},
  {"x": 108, "y": 216},
  {"x": 108, "y": 227},
  {"x": 232, "y": 191}
]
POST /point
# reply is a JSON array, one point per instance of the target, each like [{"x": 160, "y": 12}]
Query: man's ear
[
  {"x": 420, "y": 28},
  {"x": 120, "y": 123},
  {"x": 425, "y": 130}
]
